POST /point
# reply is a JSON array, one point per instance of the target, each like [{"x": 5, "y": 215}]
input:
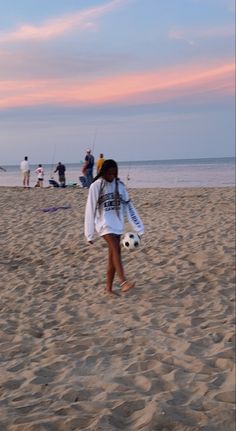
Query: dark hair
[
  {"x": 26, "y": 158},
  {"x": 109, "y": 163}
]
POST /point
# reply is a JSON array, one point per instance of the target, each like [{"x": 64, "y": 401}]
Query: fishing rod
[
  {"x": 128, "y": 173},
  {"x": 53, "y": 158},
  {"x": 94, "y": 140}
]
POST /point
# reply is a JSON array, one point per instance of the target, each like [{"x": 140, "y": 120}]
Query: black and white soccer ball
[{"x": 131, "y": 241}]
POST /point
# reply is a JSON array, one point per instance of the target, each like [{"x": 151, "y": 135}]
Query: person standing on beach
[
  {"x": 100, "y": 162},
  {"x": 88, "y": 167},
  {"x": 61, "y": 169},
  {"x": 25, "y": 170},
  {"x": 107, "y": 204},
  {"x": 40, "y": 172}
]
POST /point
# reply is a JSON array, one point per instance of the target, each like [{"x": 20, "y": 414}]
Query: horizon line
[{"x": 136, "y": 161}]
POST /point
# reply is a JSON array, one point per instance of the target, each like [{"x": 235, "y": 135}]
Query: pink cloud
[
  {"x": 149, "y": 87},
  {"x": 57, "y": 26}
]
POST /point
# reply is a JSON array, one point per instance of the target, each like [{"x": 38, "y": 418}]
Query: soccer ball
[{"x": 131, "y": 241}]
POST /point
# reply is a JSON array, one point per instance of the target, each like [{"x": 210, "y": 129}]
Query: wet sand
[{"x": 158, "y": 358}]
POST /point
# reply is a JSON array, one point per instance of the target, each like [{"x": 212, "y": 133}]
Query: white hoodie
[{"x": 104, "y": 217}]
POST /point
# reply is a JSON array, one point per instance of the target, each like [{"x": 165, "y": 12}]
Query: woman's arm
[
  {"x": 132, "y": 214},
  {"x": 90, "y": 211}
]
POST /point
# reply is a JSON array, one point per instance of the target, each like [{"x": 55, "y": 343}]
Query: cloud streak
[
  {"x": 191, "y": 34},
  {"x": 55, "y": 27},
  {"x": 228, "y": 4},
  {"x": 149, "y": 87}
]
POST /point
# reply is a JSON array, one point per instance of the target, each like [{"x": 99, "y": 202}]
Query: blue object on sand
[
  {"x": 53, "y": 183},
  {"x": 53, "y": 209}
]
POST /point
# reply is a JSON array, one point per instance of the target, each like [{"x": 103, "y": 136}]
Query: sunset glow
[
  {"x": 124, "y": 66},
  {"x": 119, "y": 88}
]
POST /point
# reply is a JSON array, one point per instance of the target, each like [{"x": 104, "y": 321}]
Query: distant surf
[{"x": 207, "y": 172}]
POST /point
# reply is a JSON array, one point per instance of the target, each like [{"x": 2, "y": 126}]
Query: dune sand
[{"x": 158, "y": 358}]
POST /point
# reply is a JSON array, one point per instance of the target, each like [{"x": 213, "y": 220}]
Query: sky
[{"x": 134, "y": 79}]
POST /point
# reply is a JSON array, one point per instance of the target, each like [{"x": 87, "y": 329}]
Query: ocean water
[{"x": 217, "y": 172}]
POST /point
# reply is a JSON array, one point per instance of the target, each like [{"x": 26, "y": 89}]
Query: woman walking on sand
[{"x": 107, "y": 204}]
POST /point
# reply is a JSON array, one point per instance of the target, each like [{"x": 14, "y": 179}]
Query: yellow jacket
[{"x": 99, "y": 164}]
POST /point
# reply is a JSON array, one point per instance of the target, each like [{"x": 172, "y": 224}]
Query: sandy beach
[{"x": 158, "y": 358}]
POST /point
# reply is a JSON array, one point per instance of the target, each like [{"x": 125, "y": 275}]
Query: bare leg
[
  {"x": 110, "y": 272},
  {"x": 114, "y": 260}
]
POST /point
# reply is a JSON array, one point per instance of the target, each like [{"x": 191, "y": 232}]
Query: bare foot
[
  {"x": 110, "y": 292},
  {"x": 126, "y": 285}
]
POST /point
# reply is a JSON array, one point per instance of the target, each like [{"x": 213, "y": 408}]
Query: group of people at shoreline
[
  {"x": 88, "y": 167},
  {"x": 87, "y": 172}
]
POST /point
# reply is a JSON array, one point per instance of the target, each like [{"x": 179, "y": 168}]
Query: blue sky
[{"x": 136, "y": 79}]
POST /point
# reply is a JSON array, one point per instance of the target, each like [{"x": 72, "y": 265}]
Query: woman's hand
[{"x": 140, "y": 234}]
